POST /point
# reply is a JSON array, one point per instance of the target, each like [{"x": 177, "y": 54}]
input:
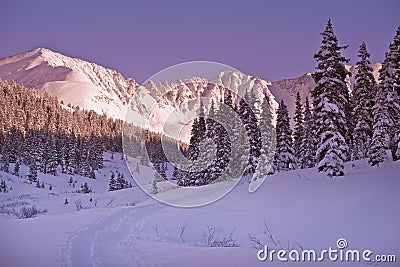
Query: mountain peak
[{"x": 42, "y": 50}]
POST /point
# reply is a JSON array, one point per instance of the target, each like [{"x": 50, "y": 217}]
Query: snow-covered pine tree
[
  {"x": 203, "y": 167},
  {"x": 70, "y": 156},
  {"x": 234, "y": 138},
  {"x": 8, "y": 151},
  {"x": 384, "y": 114},
  {"x": 198, "y": 134},
  {"x": 84, "y": 154},
  {"x": 249, "y": 120},
  {"x": 393, "y": 94},
  {"x": 120, "y": 184},
  {"x": 254, "y": 131},
  {"x": 126, "y": 184},
  {"x": 330, "y": 97},
  {"x": 212, "y": 134},
  {"x": 112, "y": 185},
  {"x": 395, "y": 54},
  {"x": 32, "y": 175},
  {"x": 60, "y": 146},
  {"x": 221, "y": 137},
  {"x": 42, "y": 153},
  {"x": 204, "y": 164},
  {"x": 53, "y": 155},
  {"x": 284, "y": 153},
  {"x": 16, "y": 167},
  {"x": 3, "y": 186},
  {"x": 5, "y": 163},
  {"x": 195, "y": 136},
  {"x": 362, "y": 102},
  {"x": 350, "y": 125},
  {"x": 307, "y": 147},
  {"x": 380, "y": 143},
  {"x": 96, "y": 152},
  {"x": 224, "y": 142},
  {"x": 298, "y": 133},
  {"x": 268, "y": 140},
  {"x": 201, "y": 121}
]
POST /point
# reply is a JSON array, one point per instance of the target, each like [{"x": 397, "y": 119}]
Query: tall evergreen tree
[
  {"x": 32, "y": 175},
  {"x": 112, "y": 185},
  {"x": 330, "y": 97},
  {"x": 5, "y": 163},
  {"x": 195, "y": 137},
  {"x": 386, "y": 112},
  {"x": 253, "y": 131},
  {"x": 298, "y": 133},
  {"x": 383, "y": 116},
  {"x": 224, "y": 132},
  {"x": 388, "y": 123},
  {"x": 393, "y": 93},
  {"x": 249, "y": 119},
  {"x": 196, "y": 151},
  {"x": 17, "y": 167},
  {"x": 3, "y": 186},
  {"x": 380, "y": 144},
  {"x": 284, "y": 153},
  {"x": 213, "y": 134},
  {"x": 363, "y": 94},
  {"x": 70, "y": 156},
  {"x": 268, "y": 139},
  {"x": 307, "y": 147},
  {"x": 53, "y": 159}
]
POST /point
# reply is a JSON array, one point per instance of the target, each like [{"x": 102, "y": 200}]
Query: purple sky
[{"x": 270, "y": 39}]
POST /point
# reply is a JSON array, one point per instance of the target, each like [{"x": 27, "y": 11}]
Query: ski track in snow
[{"x": 111, "y": 241}]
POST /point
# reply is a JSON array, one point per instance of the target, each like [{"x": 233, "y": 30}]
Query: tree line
[{"x": 48, "y": 136}]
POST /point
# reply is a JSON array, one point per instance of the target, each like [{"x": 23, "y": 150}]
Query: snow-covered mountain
[
  {"x": 183, "y": 97},
  {"x": 72, "y": 80},
  {"x": 103, "y": 90}
]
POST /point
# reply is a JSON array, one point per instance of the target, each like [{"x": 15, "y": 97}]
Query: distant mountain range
[{"x": 93, "y": 87}]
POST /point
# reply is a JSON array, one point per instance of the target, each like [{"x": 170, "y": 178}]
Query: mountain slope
[
  {"x": 72, "y": 80},
  {"x": 178, "y": 102}
]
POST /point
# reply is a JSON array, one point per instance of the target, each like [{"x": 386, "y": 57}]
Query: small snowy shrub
[
  {"x": 215, "y": 237},
  {"x": 29, "y": 212}
]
